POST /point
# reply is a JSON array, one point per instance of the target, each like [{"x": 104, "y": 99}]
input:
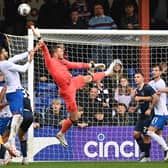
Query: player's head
[
  {"x": 157, "y": 71},
  {"x": 3, "y": 53},
  {"x": 58, "y": 51},
  {"x": 139, "y": 78}
]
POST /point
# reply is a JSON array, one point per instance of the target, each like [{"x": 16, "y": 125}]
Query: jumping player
[{"x": 58, "y": 67}]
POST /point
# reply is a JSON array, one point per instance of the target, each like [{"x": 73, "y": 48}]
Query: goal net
[{"x": 104, "y": 130}]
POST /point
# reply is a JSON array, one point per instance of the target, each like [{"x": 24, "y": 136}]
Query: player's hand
[
  {"x": 148, "y": 112},
  {"x": 39, "y": 45},
  {"x": 93, "y": 65},
  {"x": 137, "y": 98},
  {"x": 31, "y": 55},
  {"x": 158, "y": 92},
  {"x": 35, "y": 31},
  {"x": 2, "y": 105}
]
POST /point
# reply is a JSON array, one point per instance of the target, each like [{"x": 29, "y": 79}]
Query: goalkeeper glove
[
  {"x": 36, "y": 32},
  {"x": 93, "y": 65}
]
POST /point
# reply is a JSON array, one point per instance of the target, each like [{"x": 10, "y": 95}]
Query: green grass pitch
[{"x": 90, "y": 165}]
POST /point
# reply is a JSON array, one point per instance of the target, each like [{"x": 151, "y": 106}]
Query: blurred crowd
[{"x": 83, "y": 14}]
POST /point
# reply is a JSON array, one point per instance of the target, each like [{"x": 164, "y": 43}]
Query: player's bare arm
[
  {"x": 31, "y": 55},
  {"x": 155, "y": 99},
  {"x": 143, "y": 98},
  {"x": 163, "y": 90},
  {"x": 2, "y": 94}
]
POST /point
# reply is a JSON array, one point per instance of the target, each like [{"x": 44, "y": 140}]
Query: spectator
[
  {"x": 54, "y": 116},
  {"x": 53, "y": 14},
  {"x": 105, "y": 4},
  {"x": 103, "y": 94},
  {"x": 82, "y": 122},
  {"x": 83, "y": 9},
  {"x": 129, "y": 19},
  {"x": 123, "y": 91},
  {"x": 112, "y": 81},
  {"x": 121, "y": 118},
  {"x": 100, "y": 116},
  {"x": 159, "y": 14},
  {"x": 100, "y": 20},
  {"x": 90, "y": 102},
  {"x": 117, "y": 8},
  {"x": 75, "y": 22}
]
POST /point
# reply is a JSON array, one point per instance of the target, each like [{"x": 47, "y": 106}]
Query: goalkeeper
[{"x": 58, "y": 67}]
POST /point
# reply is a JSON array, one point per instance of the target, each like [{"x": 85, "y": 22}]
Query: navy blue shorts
[
  {"x": 142, "y": 123},
  {"x": 27, "y": 120}
]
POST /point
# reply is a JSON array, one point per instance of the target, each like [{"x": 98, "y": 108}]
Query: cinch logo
[{"x": 101, "y": 149}]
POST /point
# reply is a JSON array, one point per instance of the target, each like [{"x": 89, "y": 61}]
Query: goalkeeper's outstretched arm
[{"x": 42, "y": 45}]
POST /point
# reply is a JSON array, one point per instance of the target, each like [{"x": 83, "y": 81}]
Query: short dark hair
[
  {"x": 139, "y": 72},
  {"x": 98, "y": 3},
  {"x": 158, "y": 66},
  {"x": 122, "y": 104},
  {"x": 56, "y": 47}
]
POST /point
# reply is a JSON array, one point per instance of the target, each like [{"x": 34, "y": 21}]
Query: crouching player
[{"x": 26, "y": 123}]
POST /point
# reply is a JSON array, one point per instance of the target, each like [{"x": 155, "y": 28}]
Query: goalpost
[{"x": 106, "y": 138}]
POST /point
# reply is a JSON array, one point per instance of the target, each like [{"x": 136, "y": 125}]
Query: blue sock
[
  {"x": 2, "y": 152},
  {"x": 147, "y": 149},
  {"x": 140, "y": 143},
  {"x": 23, "y": 145}
]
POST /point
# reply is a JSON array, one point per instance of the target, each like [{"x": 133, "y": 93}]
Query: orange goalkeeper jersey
[{"x": 59, "y": 68}]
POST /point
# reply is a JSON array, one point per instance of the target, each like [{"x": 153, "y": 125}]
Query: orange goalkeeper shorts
[{"x": 69, "y": 94}]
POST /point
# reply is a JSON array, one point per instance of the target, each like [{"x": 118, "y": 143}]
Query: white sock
[
  {"x": 158, "y": 139},
  {"x": 15, "y": 124}
]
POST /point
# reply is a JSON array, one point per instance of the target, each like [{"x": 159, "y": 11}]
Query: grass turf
[{"x": 90, "y": 165}]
